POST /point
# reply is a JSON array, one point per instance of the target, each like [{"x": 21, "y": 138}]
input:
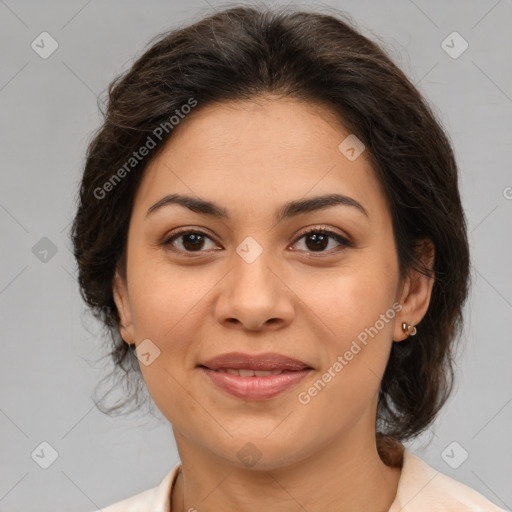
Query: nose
[{"x": 254, "y": 296}]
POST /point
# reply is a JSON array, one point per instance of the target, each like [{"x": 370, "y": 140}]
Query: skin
[{"x": 250, "y": 157}]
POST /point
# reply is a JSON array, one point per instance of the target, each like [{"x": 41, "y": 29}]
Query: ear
[
  {"x": 416, "y": 291},
  {"x": 122, "y": 301}
]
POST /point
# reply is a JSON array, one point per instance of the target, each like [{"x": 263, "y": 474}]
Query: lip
[
  {"x": 267, "y": 361},
  {"x": 255, "y": 388}
]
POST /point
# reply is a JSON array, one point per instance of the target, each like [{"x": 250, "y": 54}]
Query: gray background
[{"x": 48, "y": 112}]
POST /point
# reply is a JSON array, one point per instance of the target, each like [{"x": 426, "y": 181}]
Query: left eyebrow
[{"x": 288, "y": 210}]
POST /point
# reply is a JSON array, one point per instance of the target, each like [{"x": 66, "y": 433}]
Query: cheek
[
  {"x": 354, "y": 363},
  {"x": 163, "y": 297},
  {"x": 168, "y": 308},
  {"x": 356, "y": 314},
  {"x": 350, "y": 301},
  {"x": 163, "y": 313}
]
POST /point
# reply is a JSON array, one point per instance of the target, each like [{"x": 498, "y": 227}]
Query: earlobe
[
  {"x": 120, "y": 293},
  {"x": 416, "y": 294}
]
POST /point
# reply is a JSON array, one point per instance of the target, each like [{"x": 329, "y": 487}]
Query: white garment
[{"x": 420, "y": 489}]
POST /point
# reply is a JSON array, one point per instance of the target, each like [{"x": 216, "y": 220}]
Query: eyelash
[{"x": 332, "y": 234}]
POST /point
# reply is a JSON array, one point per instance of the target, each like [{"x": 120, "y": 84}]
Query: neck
[{"x": 346, "y": 474}]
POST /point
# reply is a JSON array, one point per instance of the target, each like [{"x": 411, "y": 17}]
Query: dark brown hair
[{"x": 238, "y": 54}]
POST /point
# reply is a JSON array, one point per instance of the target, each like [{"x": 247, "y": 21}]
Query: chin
[{"x": 261, "y": 452}]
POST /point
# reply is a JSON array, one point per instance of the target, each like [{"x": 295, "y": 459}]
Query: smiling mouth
[
  {"x": 244, "y": 362},
  {"x": 254, "y": 384},
  {"x": 246, "y": 372},
  {"x": 254, "y": 377}
]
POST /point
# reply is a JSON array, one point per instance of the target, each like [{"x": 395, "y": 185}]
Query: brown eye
[
  {"x": 317, "y": 239},
  {"x": 190, "y": 241}
]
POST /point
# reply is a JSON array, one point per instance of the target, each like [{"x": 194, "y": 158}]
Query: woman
[{"x": 269, "y": 221}]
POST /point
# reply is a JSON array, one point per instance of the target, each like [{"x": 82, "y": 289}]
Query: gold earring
[{"x": 409, "y": 329}]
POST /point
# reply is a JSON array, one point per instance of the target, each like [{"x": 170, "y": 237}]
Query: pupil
[
  {"x": 319, "y": 241},
  {"x": 196, "y": 238}
]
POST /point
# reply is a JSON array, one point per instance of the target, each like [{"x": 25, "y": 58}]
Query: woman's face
[{"x": 252, "y": 283}]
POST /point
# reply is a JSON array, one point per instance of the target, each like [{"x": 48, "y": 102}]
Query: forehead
[{"x": 251, "y": 153}]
